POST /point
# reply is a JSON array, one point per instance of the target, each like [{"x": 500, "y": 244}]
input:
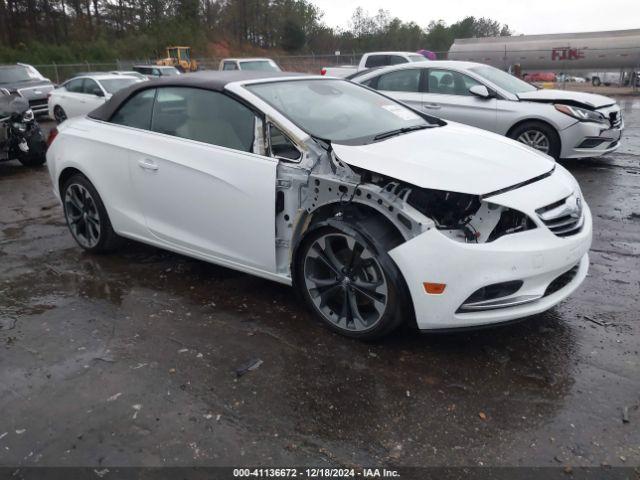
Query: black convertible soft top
[{"x": 208, "y": 79}]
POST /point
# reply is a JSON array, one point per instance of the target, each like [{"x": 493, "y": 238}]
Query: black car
[
  {"x": 20, "y": 135},
  {"x": 25, "y": 81}
]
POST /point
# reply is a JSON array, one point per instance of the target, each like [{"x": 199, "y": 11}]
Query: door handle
[
  {"x": 147, "y": 164},
  {"x": 432, "y": 106}
]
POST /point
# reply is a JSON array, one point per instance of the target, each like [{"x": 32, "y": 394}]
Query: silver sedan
[{"x": 560, "y": 123}]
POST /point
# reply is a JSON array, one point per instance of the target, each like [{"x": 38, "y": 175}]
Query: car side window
[
  {"x": 205, "y": 116},
  {"x": 74, "y": 86},
  {"x": 156, "y": 72},
  {"x": 136, "y": 112},
  {"x": 281, "y": 146},
  {"x": 376, "y": 61},
  {"x": 90, "y": 87},
  {"x": 449, "y": 82},
  {"x": 397, "y": 60},
  {"x": 229, "y": 66},
  {"x": 400, "y": 81}
]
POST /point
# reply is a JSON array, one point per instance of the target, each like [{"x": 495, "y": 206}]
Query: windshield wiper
[{"x": 400, "y": 131}]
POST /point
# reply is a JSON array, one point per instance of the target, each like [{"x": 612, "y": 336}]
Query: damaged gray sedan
[{"x": 376, "y": 213}]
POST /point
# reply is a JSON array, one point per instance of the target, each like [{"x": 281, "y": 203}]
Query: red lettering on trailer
[{"x": 566, "y": 53}]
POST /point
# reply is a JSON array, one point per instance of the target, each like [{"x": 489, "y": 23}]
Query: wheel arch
[
  {"x": 330, "y": 214},
  {"x": 348, "y": 213},
  {"x": 536, "y": 120},
  {"x": 348, "y": 218},
  {"x": 68, "y": 172},
  {"x": 65, "y": 175}
]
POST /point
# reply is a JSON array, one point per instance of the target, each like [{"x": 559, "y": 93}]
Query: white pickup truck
[{"x": 372, "y": 60}]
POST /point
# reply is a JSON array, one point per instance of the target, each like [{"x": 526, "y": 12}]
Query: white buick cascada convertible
[{"x": 376, "y": 213}]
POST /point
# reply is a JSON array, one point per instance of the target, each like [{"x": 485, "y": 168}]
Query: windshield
[
  {"x": 170, "y": 72},
  {"x": 337, "y": 110},
  {"x": 19, "y": 73},
  {"x": 112, "y": 85},
  {"x": 504, "y": 80},
  {"x": 131, "y": 74},
  {"x": 417, "y": 58},
  {"x": 263, "y": 65}
]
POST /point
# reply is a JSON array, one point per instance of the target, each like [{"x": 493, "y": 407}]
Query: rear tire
[
  {"x": 87, "y": 217},
  {"x": 595, "y": 81},
  {"x": 348, "y": 280},
  {"x": 538, "y": 135}
]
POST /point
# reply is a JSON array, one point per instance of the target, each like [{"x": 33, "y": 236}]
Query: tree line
[{"x": 45, "y": 31}]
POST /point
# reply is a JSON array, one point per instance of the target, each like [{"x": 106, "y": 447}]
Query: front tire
[
  {"x": 59, "y": 114},
  {"x": 538, "y": 135},
  {"x": 348, "y": 280},
  {"x": 87, "y": 217},
  {"x": 36, "y": 156},
  {"x": 595, "y": 81},
  {"x": 32, "y": 160}
]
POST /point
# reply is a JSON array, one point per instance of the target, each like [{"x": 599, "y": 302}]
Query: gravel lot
[{"x": 131, "y": 359}]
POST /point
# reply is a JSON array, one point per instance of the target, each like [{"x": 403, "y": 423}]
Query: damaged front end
[{"x": 333, "y": 188}]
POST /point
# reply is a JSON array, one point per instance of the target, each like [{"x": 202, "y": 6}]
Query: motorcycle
[{"x": 21, "y": 137}]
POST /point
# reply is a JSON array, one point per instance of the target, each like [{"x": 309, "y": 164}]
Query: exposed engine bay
[{"x": 331, "y": 188}]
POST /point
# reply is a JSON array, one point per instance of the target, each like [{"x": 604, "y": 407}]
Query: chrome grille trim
[
  {"x": 43, "y": 88},
  {"x": 563, "y": 218}
]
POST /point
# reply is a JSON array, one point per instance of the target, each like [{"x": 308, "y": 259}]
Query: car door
[
  {"x": 93, "y": 95},
  {"x": 404, "y": 85},
  {"x": 199, "y": 185},
  {"x": 448, "y": 97},
  {"x": 70, "y": 96}
]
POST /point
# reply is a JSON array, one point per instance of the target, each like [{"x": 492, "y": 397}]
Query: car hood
[
  {"x": 588, "y": 99},
  {"x": 25, "y": 84},
  {"x": 454, "y": 158}
]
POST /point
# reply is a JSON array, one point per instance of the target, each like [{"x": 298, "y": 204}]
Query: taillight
[
  {"x": 323, "y": 71},
  {"x": 52, "y": 136}
]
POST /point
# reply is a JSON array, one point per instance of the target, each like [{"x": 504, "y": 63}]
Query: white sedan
[
  {"x": 81, "y": 94},
  {"x": 560, "y": 123},
  {"x": 377, "y": 214}
]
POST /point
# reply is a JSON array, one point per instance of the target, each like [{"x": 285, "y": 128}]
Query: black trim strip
[{"x": 519, "y": 185}]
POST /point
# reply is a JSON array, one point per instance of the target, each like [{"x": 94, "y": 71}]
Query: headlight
[{"x": 581, "y": 114}]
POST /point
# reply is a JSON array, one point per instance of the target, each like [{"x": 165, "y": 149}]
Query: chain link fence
[{"x": 616, "y": 70}]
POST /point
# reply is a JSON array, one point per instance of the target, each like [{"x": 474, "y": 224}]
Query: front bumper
[
  {"x": 536, "y": 257},
  {"x": 590, "y": 139}
]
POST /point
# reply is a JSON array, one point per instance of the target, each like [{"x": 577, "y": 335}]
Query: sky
[{"x": 523, "y": 17}]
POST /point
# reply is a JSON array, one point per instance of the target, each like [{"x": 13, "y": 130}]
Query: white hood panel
[
  {"x": 590, "y": 99},
  {"x": 454, "y": 158}
]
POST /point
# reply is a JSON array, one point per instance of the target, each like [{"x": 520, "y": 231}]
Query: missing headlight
[
  {"x": 511, "y": 221},
  {"x": 447, "y": 209},
  {"x": 465, "y": 218}
]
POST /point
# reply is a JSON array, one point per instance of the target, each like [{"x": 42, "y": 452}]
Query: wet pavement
[{"x": 131, "y": 358}]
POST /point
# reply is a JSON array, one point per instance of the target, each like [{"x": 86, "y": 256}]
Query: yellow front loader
[{"x": 179, "y": 57}]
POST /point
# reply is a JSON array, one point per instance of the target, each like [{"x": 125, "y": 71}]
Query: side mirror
[
  {"x": 98, "y": 93},
  {"x": 480, "y": 91}
]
